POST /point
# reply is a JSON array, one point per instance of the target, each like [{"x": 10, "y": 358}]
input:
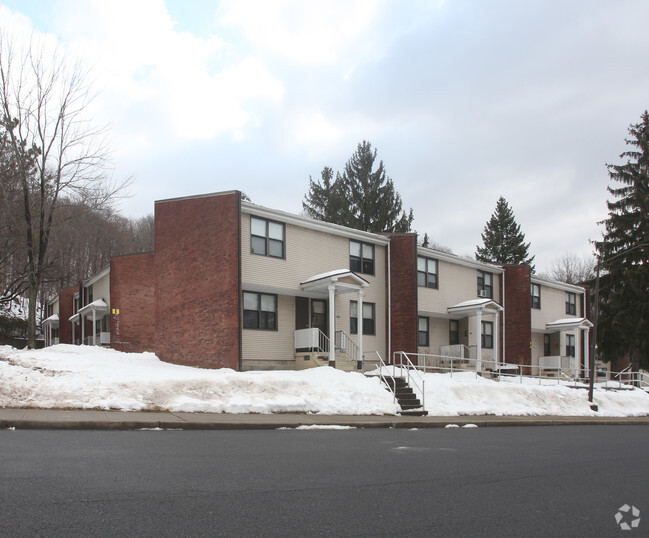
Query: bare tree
[
  {"x": 573, "y": 269},
  {"x": 55, "y": 149}
]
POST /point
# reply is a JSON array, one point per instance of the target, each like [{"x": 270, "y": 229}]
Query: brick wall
[
  {"x": 518, "y": 314},
  {"x": 132, "y": 303},
  {"x": 403, "y": 281},
  {"x": 197, "y": 281},
  {"x": 66, "y": 305}
]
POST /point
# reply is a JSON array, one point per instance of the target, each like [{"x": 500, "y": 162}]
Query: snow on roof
[
  {"x": 335, "y": 274},
  {"x": 99, "y": 304},
  {"x": 475, "y": 304},
  {"x": 569, "y": 323},
  {"x": 51, "y": 319}
]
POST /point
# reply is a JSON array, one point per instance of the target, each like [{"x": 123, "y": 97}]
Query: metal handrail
[
  {"x": 410, "y": 367},
  {"x": 382, "y": 366},
  {"x": 345, "y": 344},
  {"x": 450, "y": 364}
]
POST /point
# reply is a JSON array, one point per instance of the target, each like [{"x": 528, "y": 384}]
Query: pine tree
[
  {"x": 361, "y": 197},
  {"x": 324, "y": 200},
  {"x": 503, "y": 240},
  {"x": 624, "y": 254}
]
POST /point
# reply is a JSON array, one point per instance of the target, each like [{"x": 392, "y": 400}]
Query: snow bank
[
  {"x": 465, "y": 393},
  {"x": 87, "y": 377}
]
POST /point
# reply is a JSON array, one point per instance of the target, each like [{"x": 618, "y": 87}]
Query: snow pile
[
  {"x": 464, "y": 393},
  {"x": 87, "y": 377}
]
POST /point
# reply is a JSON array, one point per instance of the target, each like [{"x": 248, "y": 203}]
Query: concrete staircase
[{"x": 408, "y": 401}]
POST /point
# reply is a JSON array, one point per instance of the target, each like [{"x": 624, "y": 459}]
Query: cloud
[
  {"x": 187, "y": 87},
  {"x": 304, "y": 32}
]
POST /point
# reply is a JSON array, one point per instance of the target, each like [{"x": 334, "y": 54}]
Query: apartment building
[{"x": 232, "y": 284}]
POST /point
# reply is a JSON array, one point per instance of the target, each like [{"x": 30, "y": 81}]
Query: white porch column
[
  {"x": 332, "y": 325},
  {"x": 495, "y": 336},
  {"x": 360, "y": 323},
  {"x": 94, "y": 327},
  {"x": 83, "y": 329},
  {"x": 73, "y": 331},
  {"x": 478, "y": 363}
]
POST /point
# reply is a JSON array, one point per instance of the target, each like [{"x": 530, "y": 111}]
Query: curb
[{"x": 123, "y": 420}]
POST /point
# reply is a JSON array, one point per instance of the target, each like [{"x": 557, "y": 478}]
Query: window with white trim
[
  {"x": 571, "y": 303},
  {"x": 259, "y": 311},
  {"x": 267, "y": 237},
  {"x": 423, "y": 332},
  {"x": 361, "y": 257},
  {"x": 487, "y": 334},
  {"x": 369, "y": 318},
  {"x": 536, "y": 296},
  {"x": 427, "y": 273},
  {"x": 570, "y": 345},
  {"x": 485, "y": 284}
]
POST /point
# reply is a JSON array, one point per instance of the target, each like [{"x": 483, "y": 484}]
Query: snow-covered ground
[{"x": 85, "y": 377}]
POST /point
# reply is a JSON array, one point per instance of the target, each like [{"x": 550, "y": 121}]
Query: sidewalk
[{"x": 79, "y": 419}]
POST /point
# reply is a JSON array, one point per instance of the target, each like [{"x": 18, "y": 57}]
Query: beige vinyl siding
[
  {"x": 272, "y": 345},
  {"x": 101, "y": 289},
  {"x": 553, "y": 307},
  {"x": 307, "y": 253},
  {"x": 457, "y": 283}
]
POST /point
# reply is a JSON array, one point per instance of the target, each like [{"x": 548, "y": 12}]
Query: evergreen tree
[
  {"x": 324, "y": 200},
  {"x": 361, "y": 197},
  {"x": 624, "y": 254},
  {"x": 503, "y": 240}
]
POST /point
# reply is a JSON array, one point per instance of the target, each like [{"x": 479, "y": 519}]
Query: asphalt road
[{"x": 516, "y": 481}]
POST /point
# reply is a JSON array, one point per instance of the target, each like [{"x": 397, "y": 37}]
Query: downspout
[
  {"x": 389, "y": 305},
  {"x": 502, "y": 344},
  {"x": 585, "y": 346}
]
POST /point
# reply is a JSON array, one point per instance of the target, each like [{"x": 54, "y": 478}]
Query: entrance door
[
  {"x": 319, "y": 315},
  {"x": 311, "y": 313}
]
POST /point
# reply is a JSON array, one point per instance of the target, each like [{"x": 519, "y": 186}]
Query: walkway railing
[
  {"x": 441, "y": 364},
  {"x": 346, "y": 345},
  {"x": 413, "y": 376}
]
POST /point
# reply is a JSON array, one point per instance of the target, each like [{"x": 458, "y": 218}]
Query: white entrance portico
[
  {"x": 479, "y": 308},
  {"x": 336, "y": 283},
  {"x": 569, "y": 352}
]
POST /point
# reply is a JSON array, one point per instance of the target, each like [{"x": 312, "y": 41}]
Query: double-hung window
[
  {"x": 427, "y": 273},
  {"x": 361, "y": 257},
  {"x": 485, "y": 284},
  {"x": 259, "y": 311},
  {"x": 266, "y": 237},
  {"x": 487, "y": 334},
  {"x": 536, "y": 296},
  {"x": 369, "y": 318},
  {"x": 571, "y": 303},
  {"x": 423, "y": 332},
  {"x": 570, "y": 345}
]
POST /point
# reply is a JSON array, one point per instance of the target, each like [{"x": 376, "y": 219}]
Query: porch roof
[
  {"x": 99, "y": 306},
  {"x": 53, "y": 320},
  {"x": 568, "y": 324},
  {"x": 341, "y": 278},
  {"x": 474, "y": 306}
]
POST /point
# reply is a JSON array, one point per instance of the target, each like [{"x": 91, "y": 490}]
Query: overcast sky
[{"x": 465, "y": 101}]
